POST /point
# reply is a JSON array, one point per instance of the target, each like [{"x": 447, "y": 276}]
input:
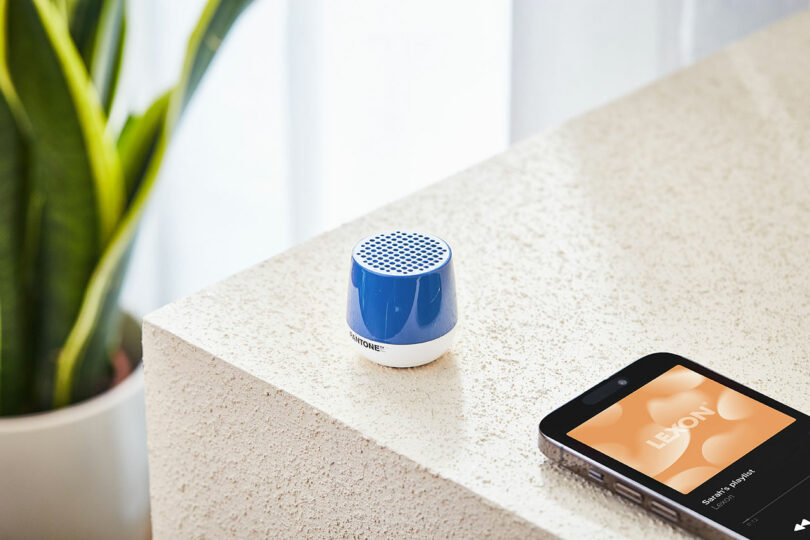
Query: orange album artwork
[{"x": 681, "y": 428}]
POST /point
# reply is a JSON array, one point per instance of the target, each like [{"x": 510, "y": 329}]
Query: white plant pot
[{"x": 78, "y": 472}]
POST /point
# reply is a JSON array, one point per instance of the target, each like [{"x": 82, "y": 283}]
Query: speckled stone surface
[{"x": 677, "y": 219}]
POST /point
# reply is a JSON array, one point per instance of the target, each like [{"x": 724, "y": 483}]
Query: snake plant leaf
[
  {"x": 15, "y": 370},
  {"x": 84, "y": 352},
  {"x": 113, "y": 73},
  {"x": 63, "y": 7},
  {"x": 72, "y": 165},
  {"x": 215, "y": 22},
  {"x": 97, "y": 28},
  {"x": 95, "y": 335},
  {"x": 83, "y": 17},
  {"x": 138, "y": 140}
]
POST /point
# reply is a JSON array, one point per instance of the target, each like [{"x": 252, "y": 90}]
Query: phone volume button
[
  {"x": 664, "y": 511},
  {"x": 628, "y": 493}
]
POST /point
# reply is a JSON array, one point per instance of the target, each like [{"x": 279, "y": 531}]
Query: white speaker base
[{"x": 403, "y": 356}]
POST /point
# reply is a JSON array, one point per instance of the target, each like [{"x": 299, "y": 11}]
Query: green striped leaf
[
  {"x": 215, "y": 22},
  {"x": 84, "y": 347},
  {"x": 97, "y": 28},
  {"x": 88, "y": 348},
  {"x": 138, "y": 140},
  {"x": 73, "y": 170},
  {"x": 83, "y": 17},
  {"x": 15, "y": 372},
  {"x": 113, "y": 72}
]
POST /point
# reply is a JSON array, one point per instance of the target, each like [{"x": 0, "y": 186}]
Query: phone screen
[
  {"x": 706, "y": 442},
  {"x": 681, "y": 428}
]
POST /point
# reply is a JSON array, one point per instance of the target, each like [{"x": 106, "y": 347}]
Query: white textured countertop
[{"x": 675, "y": 219}]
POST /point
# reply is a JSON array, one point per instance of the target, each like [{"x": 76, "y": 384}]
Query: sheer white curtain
[
  {"x": 569, "y": 56},
  {"x": 317, "y": 111}
]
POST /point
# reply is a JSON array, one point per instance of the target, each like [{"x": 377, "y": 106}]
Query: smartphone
[{"x": 691, "y": 446}]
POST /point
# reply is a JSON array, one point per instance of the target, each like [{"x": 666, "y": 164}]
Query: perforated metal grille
[{"x": 402, "y": 253}]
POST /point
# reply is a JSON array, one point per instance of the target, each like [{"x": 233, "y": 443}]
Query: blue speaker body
[{"x": 402, "y": 294}]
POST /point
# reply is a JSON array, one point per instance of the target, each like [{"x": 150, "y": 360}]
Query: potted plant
[{"x": 72, "y": 441}]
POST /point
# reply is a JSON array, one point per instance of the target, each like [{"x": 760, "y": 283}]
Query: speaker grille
[{"x": 402, "y": 253}]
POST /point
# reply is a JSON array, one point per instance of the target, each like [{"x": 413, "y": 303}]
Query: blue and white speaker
[{"x": 402, "y": 298}]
